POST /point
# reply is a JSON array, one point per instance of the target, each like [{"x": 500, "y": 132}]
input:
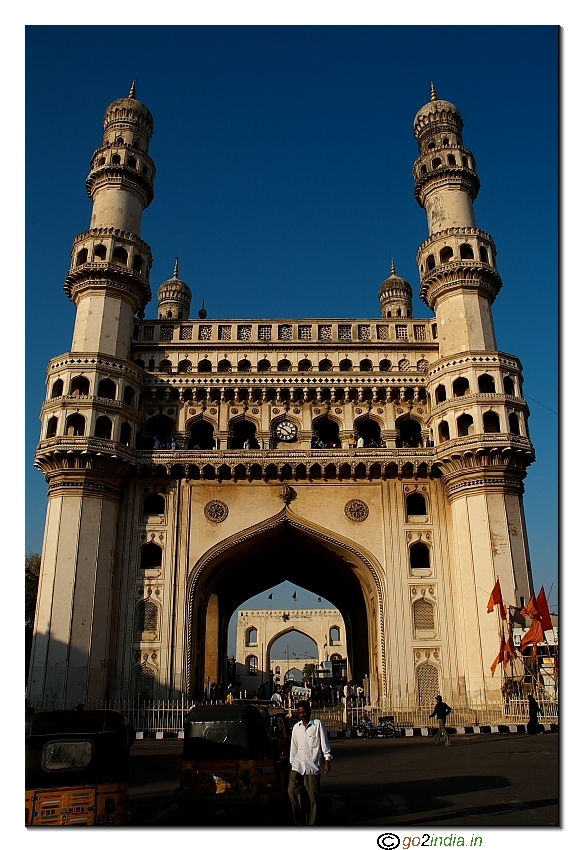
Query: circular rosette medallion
[
  {"x": 356, "y": 510},
  {"x": 216, "y": 511}
]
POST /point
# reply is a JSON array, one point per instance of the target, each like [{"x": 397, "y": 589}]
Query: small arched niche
[
  {"x": 334, "y": 636},
  {"x": 125, "y": 434},
  {"x": 154, "y": 504},
  {"x": 461, "y": 387},
  {"x": 419, "y": 556},
  {"x": 106, "y": 389},
  {"x": 486, "y": 384},
  {"x": 514, "y": 424},
  {"x": 79, "y": 385},
  {"x": 440, "y": 394},
  {"x": 416, "y": 504},
  {"x": 57, "y": 389},
  {"x": 52, "y": 425},
  {"x": 465, "y": 425},
  {"x": 75, "y": 425},
  {"x": 491, "y": 422},
  {"x": 251, "y": 636},
  {"x": 202, "y": 436},
  {"x": 103, "y": 428},
  {"x": 509, "y": 386},
  {"x": 150, "y": 556},
  {"x": 443, "y": 431}
]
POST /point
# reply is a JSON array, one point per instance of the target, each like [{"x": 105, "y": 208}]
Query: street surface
[{"x": 481, "y": 780}]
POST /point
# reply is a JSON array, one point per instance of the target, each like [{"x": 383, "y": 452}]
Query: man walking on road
[
  {"x": 441, "y": 711},
  {"x": 309, "y": 745}
]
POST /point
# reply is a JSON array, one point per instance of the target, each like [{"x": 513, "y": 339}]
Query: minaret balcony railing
[
  {"x": 476, "y": 442},
  {"x": 464, "y": 401},
  {"x": 87, "y": 401},
  {"x": 85, "y": 445}
]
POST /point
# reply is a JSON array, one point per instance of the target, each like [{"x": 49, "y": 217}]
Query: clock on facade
[{"x": 286, "y": 430}]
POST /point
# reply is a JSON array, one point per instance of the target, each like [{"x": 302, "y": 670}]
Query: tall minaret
[
  {"x": 91, "y": 416},
  {"x": 478, "y": 415}
]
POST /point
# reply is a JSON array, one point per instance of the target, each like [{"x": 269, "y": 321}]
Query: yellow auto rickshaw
[{"x": 77, "y": 768}]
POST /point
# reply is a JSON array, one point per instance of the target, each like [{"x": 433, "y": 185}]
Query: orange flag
[
  {"x": 543, "y": 608},
  {"x": 496, "y": 599},
  {"x": 531, "y": 610},
  {"x": 509, "y": 650},
  {"x": 500, "y": 657},
  {"x": 534, "y": 636}
]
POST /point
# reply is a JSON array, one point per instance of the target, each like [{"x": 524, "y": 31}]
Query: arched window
[
  {"x": 465, "y": 425},
  {"x": 409, "y": 433},
  {"x": 513, "y": 424},
  {"x": 185, "y": 366},
  {"x": 125, "y": 434},
  {"x": 465, "y": 161},
  {"x": 138, "y": 262},
  {"x": 119, "y": 140},
  {"x": 116, "y": 159},
  {"x": 326, "y": 433},
  {"x": 144, "y": 169},
  {"x": 263, "y": 366},
  {"x": 101, "y": 161},
  {"x": 75, "y": 425},
  {"x": 423, "y": 616},
  {"x": 370, "y": 431},
  {"x": 334, "y": 635},
  {"x": 205, "y": 366},
  {"x": 305, "y": 366},
  {"x": 451, "y": 160},
  {"x": 443, "y": 431},
  {"x": 419, "y": 556},
  {"x": 252, "y": 665},
  {"x": 491, "y": 422},
  {"x": 224, "y": 366},
  {"x": 278, "y": 670},
  {"x": 335, "y": 657},
  {"x": 325, "y": 365},
  {"x": 445, "y": 254},
  {"x": 251, "y": 636},
  {"x": 416, "y": 505},
  {"x": 57, "y": 389},
  {"x": 100, "y": 252},
  {"x": 146, "y": 620},
  {"x": 139, "y": 362},
  {"x": 81, "y": 257},
  {"x": 154, "y": 503},
  {"x": 486, "y": 384},
  {"x": 423, "y": 169},
  {"x": 243, "y": 366},
  {"x": 385, "y": 365},
  {"x": 202, "y": 436},
  {"x": 165, "y": 366},
  {"x": 120, "y": 256},
  {"x": 466, "y": 252},
  {"x": 243, "y": 435},
  {"x": 440, "y": 394},
  {"x": 103, "y": 426},
  {"x": 430, "y": 263},
  {"x": 151, "y": 556},
  {"x": 365, "y": 366},
  {"x": 435, "y": 163},
  {"x": 52, "y": 427},
  {"x": 80, "y": 385},
  {"x": 106, "y": 389},
  {"x": 161, "y": 427},
  {"x": 284, "y": 366},
  {"x": 131, "y": 161},
  {"x": 346, "y": 365},
  {"x": 144, "y": 685},
  {"x": 484, "y": 254},
  {"x": 509, "y": 386},
  {"x": 461, "y": 387},
  {"x": 427, "y": 684},
  {"x": 128, "y": 396}
]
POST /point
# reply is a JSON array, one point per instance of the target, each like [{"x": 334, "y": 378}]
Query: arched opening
[
  {"x": 514, "y": 424},
  {"x": 325, "y": 365},
  {"x": 120, "y": 256},
  {"x": 165, "y": 366},
  {"x": 446, "y": 254},
  {"x": 125, "y": 434},
  {"x": 486, "y": 384},
  {"x": 305, "y": 366},
  {"x": 427, "y": 684},
  {"x": 251, "y": 636},
  {"x": 52, "y": 425},
  {"x": 128, "y": 396},
  {"x": 144, "y": 683},
  {"x": 419, "y": 556},
  {"x": 436, "y": 162},
  {"x": 440, "y": 394},
  {"x": 443, "y": 431},
  {"x": 160, "y": 428},
  {"x": 103, "y": 428},
  {"x": 202, "y": 436},
  {"x": 370, "y": 431},
  {"x": 81, "y": 257},
  {"x": 465, "y": 425},
  {"x": 57, "y": 389},
  {"x": 326, "y": 433},
  {"x": 509, "y": 386},
  {"x": 334, "y": 635},
  {"x": 116, "y": 159},
  {"x": 100, "y": 253},
  {"x": 243, "y": 435},
  {"x": 185, "y": 366},
  {"x": 416, "y": 504},
  {"x": 430, "y": 263},
  {"x": 146, "y": 620},
  {"x": 409, "y": 433},
  {"x": 151, "y": 556},
  {"x": 138, "y": 263},
  {"x": 263, "y": 366},
  {"x": 346, "y": 365},
  {"x": 205, "y": 366},
  {"x": 466, "y": 252},
  {"x": 244, "y": 366},
  {"x": 484, "y": 254},
  {"x": 385, "y": 365},
  {"x": 423, "y": 618},
  {"x": 154, "y": 504},
  {"x": 461, "y": 387},
  {"x": 365, "y": 366},
  {"x": 252, "y": 665},
  {"x": 491, "y": 422},
  {"x": 131, "y": 162},
  {"x": 284, "y": 366},
  {"x": 224, "y": 366},
  {"x": 79, "y": 385},
  {"x": 451, "y": 160},
  {"x": 106, "y": 389},
  {"x": 75, "y": 425}
]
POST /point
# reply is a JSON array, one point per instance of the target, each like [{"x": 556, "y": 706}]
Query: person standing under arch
[{"x": 309, "y": 746}]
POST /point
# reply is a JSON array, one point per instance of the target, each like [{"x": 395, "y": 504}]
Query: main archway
[{"x": 284, "y": 547}]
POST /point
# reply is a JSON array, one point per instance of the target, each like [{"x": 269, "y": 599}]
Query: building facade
[{"x": 193, "y": 463}]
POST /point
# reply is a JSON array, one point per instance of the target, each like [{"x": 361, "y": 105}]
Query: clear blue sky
[{"x": 284, "y": 159}]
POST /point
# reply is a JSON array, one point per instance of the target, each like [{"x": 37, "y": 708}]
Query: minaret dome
[
  {"x": 174, "y": 297},
  {"x": 396, "y": 296}
]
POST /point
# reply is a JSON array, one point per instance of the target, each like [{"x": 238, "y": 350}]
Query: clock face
[{"x": 286, "y": 430}]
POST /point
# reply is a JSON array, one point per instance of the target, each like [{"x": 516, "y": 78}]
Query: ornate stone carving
[
  {"x": 356, "y": 510},
  {"x": 216, "y": 511},
  {"x": 287, "y": 493},
  {"x": 254, "y": 410}
]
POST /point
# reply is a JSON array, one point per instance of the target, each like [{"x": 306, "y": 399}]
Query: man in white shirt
[{"x": 309, "y": 745}]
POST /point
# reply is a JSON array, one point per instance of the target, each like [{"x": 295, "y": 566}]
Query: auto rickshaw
[
  {"x": 77, "y": 768},
  {"x": 234, "y": 756}
]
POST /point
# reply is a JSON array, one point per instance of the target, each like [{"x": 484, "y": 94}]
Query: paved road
[{"x": 481, "y": 780}]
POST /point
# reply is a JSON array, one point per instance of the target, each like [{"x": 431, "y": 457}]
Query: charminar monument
[{"x": 192, "y": 463}]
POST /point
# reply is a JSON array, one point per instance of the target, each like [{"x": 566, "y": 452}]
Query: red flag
[
  {"x": 531, "y": 610},
  {"x": 496, "y": 599},
  {"x": 509, "y": 650},
  {"x": 500, "y": 657},
  {"x": 533, "y": 636},
  {"x": 543, "y": 608}
]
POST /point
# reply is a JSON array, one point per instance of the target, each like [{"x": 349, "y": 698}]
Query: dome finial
[
  {"x": 176, "y": 267},
  {"x": 393, "y": 269},
  {"x": 202, "y": 313},
  {"x": 132, "y": 93},
  {"x": 433, "y": 92}
]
